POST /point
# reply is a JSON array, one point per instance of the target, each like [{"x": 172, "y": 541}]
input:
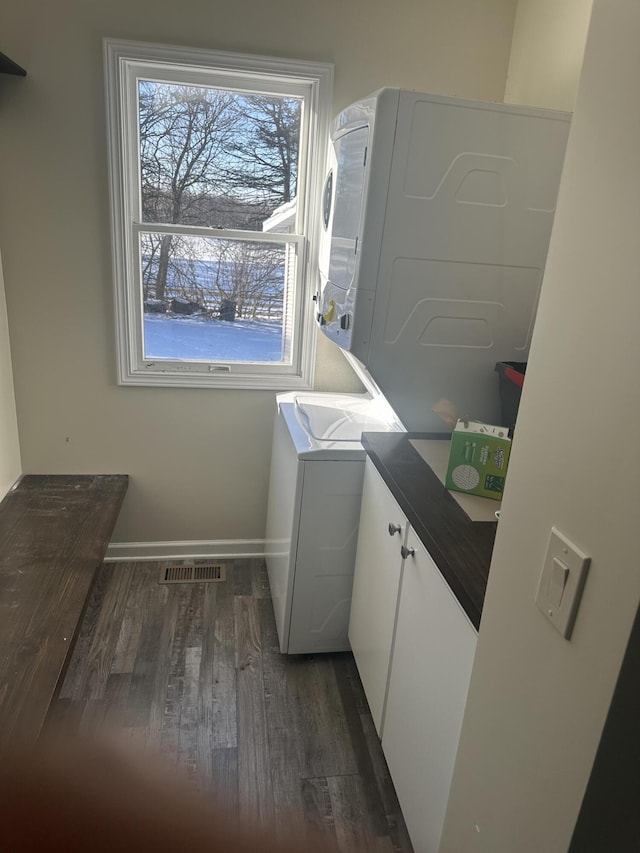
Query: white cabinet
[
  {"x": 376, "y": 584},
  {"x": 414, "y": 648},
  {"x": 428, "y": 681}
]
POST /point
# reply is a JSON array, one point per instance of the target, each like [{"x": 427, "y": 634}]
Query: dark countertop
[
  {"x": 54, "y": 531},
  {"x": 460, "y": 548}
]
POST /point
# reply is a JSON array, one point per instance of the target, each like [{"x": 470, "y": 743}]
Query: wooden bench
[{"x": 54, "y": 532}]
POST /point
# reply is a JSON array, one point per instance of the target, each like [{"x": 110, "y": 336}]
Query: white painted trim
[
  {"x": 189, "y": 550},
  {"x": 313, "y": 82}
]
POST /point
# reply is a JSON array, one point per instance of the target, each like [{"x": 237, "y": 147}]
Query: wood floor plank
[
  {"x": 152, "y": 644},
  {"x": 307, "y": 727},
  {"x": 355, "y": 829},
  {"x": 318, "y": 812},
  {"x": 260, "y": 580},
  {"x": 389, "y": 801},
  {"x": 116, "y": 698},
  {"x": 223, "y": 781},
  {"x": 254, "y": 776},
  {"x": 377, "y": 787},
  {"x": 92, "y": 720},
  {"x": 163, "y": 725},
  {"x": 286, "y": 738},
  {"x": 100, "y": 652},
  {"x": 142, "y": 589},
  {"x": 286, "y": 741},
  {"x": 362, "y": 747},
  {"x": 240, "y": 577},
  {"x": 188, "y": 657},
  {"x": 205, "y": 700},
  {"x": 327, "y": 747},
  {"x": 218, "y": 689}
]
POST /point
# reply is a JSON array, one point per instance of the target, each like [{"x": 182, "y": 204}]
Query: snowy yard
[{"x": 211, "y": 340}]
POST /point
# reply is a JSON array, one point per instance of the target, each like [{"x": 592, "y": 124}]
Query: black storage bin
[{"x": 510, "y": 381}]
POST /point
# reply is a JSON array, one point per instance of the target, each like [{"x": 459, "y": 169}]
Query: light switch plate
[{"x": 562, "y": 581}]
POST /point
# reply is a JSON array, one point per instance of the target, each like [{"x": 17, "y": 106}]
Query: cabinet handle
[
  {"x": 394, "y": 528},
  {"x": 406, "y": 552}
]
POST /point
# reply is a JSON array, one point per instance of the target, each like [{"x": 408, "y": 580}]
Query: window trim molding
[{"x": 120, "y": 57}]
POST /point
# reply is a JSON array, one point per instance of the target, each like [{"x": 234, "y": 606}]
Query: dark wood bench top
[{"x": 54, "y": 531}]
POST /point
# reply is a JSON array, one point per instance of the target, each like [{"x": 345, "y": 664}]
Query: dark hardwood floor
[{"x": 193, "y": 672}]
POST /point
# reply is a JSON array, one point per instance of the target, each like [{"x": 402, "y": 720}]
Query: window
[{"x": 216, "y": 164}]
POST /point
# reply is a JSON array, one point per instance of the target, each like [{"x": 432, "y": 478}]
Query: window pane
[
  {"x": 210, "y": 299},
  {"x": 213, "y": 157}
]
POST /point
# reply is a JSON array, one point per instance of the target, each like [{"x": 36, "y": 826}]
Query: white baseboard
[{"x": 190, "y": 550}]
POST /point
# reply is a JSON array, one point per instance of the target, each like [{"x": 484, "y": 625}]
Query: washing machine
[{"x": 315, "y": 490}]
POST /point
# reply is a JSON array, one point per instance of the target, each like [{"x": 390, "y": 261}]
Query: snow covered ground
[{"x": 211, "y": 340}]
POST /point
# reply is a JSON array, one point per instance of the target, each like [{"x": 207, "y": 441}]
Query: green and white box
[{"x": 478, "y": 459}]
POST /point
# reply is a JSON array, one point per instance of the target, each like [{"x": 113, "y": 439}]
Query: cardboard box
[{"x": 478, "y": 459}]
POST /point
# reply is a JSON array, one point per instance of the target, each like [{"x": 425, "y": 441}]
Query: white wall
[
  {"x": 10, "y": 466},
  {"x": 546, "y": 52},
  {"x": 537, "y": 703},
  {"x": 198, "y": 459}
]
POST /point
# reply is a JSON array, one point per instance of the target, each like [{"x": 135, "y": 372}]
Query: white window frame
[{"x": 125, "y": 62}]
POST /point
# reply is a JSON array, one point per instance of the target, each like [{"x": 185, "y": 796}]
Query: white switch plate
[{"x": 562, "y": 581}]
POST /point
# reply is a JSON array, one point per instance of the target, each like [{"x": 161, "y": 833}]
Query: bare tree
[
  {"x": 184, "y": 132},
  {"x": 268, "y": 164},
  {"x": 221, "y": 159}
]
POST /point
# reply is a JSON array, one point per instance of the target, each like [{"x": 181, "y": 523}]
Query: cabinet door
[
  {"x": 428, "y": 682},
  {"x": 375, "y": 588}
]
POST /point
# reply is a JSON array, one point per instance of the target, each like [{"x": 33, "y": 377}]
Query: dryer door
[
  {"x": 342, "y": 207},
  {"x": 343, "y": 204}
]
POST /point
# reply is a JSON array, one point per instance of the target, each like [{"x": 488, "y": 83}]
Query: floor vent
[{"x": 193, "y": 573}]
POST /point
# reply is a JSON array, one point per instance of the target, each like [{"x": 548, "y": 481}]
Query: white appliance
[
  {"x": 315, "y": 488},
  {"x": 437, "y": 214}
]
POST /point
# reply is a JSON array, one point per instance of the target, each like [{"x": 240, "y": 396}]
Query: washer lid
[
  {"x": 330, "y": 426},
  {"x": 344, "y": 420}
]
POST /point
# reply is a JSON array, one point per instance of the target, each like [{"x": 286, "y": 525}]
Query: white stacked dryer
[
  {"x": 315, "y": 490},
  {"x": 437, "y": 214}
]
